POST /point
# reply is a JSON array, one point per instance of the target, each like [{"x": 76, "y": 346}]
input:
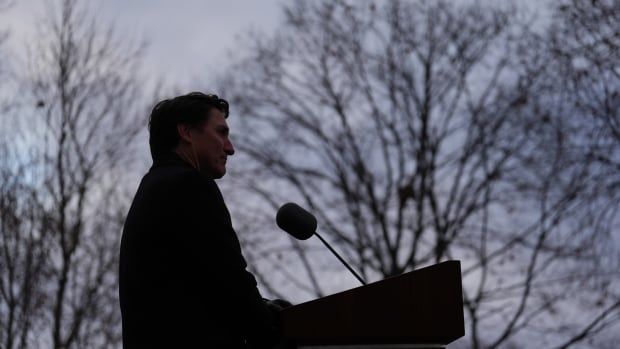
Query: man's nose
[{"x": 228, "y": 147}]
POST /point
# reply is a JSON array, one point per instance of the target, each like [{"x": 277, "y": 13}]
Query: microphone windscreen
[{"x": 296, "y": 221}]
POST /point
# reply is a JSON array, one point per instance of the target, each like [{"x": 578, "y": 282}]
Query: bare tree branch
[{"x": 422, "y": 131}]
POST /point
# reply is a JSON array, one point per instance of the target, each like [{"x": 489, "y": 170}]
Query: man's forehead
[{"x": 217, "y": 119}]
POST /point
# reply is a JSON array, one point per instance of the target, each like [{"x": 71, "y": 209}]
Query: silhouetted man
[{"x": 183, "y": 280}]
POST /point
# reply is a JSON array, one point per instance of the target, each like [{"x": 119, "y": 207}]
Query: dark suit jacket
[{"x": 183, "y": 280}]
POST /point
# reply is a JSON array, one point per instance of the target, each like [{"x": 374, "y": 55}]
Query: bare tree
[
  {"x": 85, "y": 92},
  {"x": 574, "y": 67},
  {"x": 23, "y": 253},
  {"x": 415, "y": 132},
  {"x": 4, "y": 34},
  {"x": 586, "y": 43}
]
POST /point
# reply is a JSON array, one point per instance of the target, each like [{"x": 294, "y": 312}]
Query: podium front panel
[{"x": 422, "y": 307}]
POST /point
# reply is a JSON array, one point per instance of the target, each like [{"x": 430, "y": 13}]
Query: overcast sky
[{"x": 187, "y": 39}]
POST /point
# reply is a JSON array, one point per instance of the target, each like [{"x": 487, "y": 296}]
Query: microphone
[
  {"x": 302, "y": 225},
  {"x": 296, "y": 221}
]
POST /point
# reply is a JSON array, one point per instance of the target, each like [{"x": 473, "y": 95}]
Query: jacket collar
[{"x": 170, "y": 159}]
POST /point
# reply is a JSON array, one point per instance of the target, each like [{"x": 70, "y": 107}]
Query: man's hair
[{"x": 192, "y": 109}]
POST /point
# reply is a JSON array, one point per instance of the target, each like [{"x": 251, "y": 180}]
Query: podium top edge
[{"x": 444, "y": 264}]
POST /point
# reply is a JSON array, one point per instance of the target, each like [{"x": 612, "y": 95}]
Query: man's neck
[
  {"x": 191, "y": 158},
  {"x": 187, "y": 156}
]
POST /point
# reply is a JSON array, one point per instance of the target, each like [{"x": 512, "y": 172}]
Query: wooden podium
[{"x": 419, "y": 309}]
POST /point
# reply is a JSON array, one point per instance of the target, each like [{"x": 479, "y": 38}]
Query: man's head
[{"x": 194, "y": 126}]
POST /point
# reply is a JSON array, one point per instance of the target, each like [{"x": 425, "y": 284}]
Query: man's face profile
[{"x": 211, "y": 144}]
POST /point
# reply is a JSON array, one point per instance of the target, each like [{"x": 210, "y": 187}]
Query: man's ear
[{"x": 184, "y": 131}]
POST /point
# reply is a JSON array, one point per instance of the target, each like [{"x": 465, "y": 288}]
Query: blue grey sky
[{"x": 188, "y": 39}]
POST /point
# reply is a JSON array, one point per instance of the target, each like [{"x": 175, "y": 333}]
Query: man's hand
[
  {"x": 278, "y": 304},
  {"x": 275, "y": 306}
]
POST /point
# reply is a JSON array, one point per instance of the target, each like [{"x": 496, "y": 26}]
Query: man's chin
[
  {"x": 214, "y": 173},
  {"x": 219, "y": 173}
]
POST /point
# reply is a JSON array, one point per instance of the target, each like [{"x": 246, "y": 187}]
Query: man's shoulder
[
  {"x": 178, "y": 180},
  {"x": 173, "y": 175}
]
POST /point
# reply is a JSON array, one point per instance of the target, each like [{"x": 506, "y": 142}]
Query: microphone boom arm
[{"x": 340, "y": 258}]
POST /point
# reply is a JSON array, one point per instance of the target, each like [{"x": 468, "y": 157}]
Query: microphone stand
[{"x": 340, "y": 258}]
